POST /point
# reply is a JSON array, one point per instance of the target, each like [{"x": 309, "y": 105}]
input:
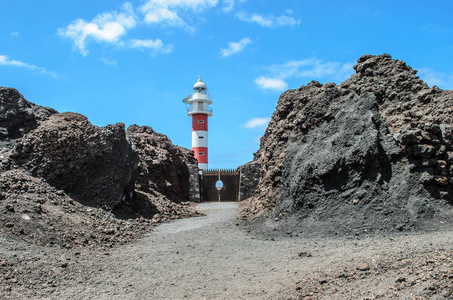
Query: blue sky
[{"x": 134, "y": 62}]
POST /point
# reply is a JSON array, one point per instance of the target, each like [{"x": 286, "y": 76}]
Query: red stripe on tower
[
  {"x": 199, "y": 109},
  {"x": 201, "y": 154},
  {"x": 199, "y": 122}
]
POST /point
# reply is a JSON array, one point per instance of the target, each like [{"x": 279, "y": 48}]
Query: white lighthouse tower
[{"x": 198, "y": 108}]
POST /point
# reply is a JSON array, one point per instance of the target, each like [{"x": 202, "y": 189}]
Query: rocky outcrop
[
  {"x": 163, "y": 167},
  {"x": 34, "y": 211},
  {"x": 66, "y": 182},
  {"x": 162, "y": 181},
  {"x": 95, "y": 165},
  {"x": 18, "y": 116},
  {"x": 371, "y": 154},
  {"x": 297, "y": 111}
]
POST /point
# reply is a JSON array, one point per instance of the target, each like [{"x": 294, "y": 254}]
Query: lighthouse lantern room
[{"x": 198, "y": 108}]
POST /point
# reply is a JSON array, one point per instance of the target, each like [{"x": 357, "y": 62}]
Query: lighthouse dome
[{"x": 200, "y": 84}]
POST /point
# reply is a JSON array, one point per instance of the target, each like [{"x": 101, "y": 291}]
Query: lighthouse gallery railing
[{"x": 196, "y": 110}]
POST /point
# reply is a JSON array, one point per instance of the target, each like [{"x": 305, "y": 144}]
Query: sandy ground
[{"x": 213, "y": 257}]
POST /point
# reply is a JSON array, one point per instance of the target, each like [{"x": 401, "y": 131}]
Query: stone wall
[
  {"x": 194, "y": 183},
  {"x": 250, "y": 175}
]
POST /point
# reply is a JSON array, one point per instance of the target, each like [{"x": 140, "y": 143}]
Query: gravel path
[
  {"x": 212, "y": 257},
  {"x": 206, "y": 257}
]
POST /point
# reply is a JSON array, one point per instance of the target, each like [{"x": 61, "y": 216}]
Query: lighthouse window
[
  {"x": 201, "y": 137},
  {"x": 200, "y": 153},
  {"x": 200, "y": 121}
]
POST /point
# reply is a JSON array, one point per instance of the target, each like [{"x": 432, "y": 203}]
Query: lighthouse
[{"x": 198, "y": 108}]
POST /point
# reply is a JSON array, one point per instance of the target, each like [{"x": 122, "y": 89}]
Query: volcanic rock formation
[
  {"x": 371, "y": 154},
  {"x": 163, "y": 167},
  {"x": 162, "y": 177},
  {"x": 93, "y": 164},
  {"x": 18, "y": 116},
  {"x": 65, "y": 181}
]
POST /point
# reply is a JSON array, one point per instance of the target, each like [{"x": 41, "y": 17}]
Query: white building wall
[
  {"x": 203, "y": 166},
  {"x": 199, "y": 139}
]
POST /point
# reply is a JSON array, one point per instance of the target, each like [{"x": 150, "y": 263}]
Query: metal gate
[{"x": 230, "y": 190}]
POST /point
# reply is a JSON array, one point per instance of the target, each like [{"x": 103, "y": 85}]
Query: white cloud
[
  {"x": 276, "y": 84},
  {"x": 106, "y": 27},
  {"x": 270, "y": 20},
  {"x": 431, "y": 77},
  {"x": 306, "y": 68},
  {"x": 161, "y": 14},
  {"x": 110, "y": 62},
  {"x": 156, "y": 46},
  {"x": 286, "y": 20},
  {"x": 15, "y": 34},
  {"x": 260, "y": 123},
  {"x": 235, "y": 47},
  {"x": 313, "y": 68},
  {"x": 169, "y": 12},
  {"x": 228, "y": 5},
  {"x": 255, "y": 18},
  {"x": 6, "y": 61}
]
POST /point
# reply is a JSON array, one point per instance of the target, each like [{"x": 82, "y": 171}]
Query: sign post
[{"x": 219, "y": 185}]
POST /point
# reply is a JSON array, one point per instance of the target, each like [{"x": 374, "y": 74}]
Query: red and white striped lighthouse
[{"x": 198, "y": 108}]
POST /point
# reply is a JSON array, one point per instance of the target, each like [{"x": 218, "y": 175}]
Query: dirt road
[{"x": 212, "y": 257}]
